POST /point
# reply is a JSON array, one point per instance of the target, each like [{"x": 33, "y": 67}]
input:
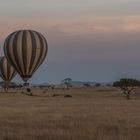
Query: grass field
[{"x": 91, "y": 114}]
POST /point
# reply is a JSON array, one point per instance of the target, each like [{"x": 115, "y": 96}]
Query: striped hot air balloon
[
  {"x": 7, "y": 72},
  {"x": 25, "y": 50}
]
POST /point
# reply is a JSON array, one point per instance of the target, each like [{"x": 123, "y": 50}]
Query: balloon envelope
[
  {"x": 25, "y": 50},
  {"x": 7, "y": 72}
]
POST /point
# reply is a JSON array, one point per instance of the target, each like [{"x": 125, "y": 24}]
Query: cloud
[
  {"x": 99, "y": 24},
  {"x": 83, "y": 26}
]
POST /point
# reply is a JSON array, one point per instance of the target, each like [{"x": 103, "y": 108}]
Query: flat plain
[{"x": 90, "y": 114}]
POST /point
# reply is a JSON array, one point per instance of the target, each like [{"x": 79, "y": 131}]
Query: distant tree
[
  {"x": 87, "y": 85},
  {"x": 108, "y": 85},
  {"x": 127, "y": 85},
  {"x": 97, "y": 85},
  {"x": 67, "y": 82},
  {"x": 52, "y": 87}
]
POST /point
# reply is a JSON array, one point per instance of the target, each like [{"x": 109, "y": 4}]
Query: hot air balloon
[
  {"x": 7, "y": 72},
  {"x": 25, "y": 50}
]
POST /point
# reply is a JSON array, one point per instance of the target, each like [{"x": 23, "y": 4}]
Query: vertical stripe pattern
[
  {"x": 25, "y": 50},
  {"x": 7, "y": 72}
]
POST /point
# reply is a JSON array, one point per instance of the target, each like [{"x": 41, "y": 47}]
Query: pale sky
[{"x": 88, "y": 40}]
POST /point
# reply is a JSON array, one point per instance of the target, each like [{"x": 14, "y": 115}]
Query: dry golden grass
[{"x": 91, "y": 114}]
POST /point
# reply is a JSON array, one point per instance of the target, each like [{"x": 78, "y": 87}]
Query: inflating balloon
[{"x": 25, "y": 50}]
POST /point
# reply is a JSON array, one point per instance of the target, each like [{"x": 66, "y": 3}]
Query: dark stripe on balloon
[
  {"x": 13, "y": 73},
  {"x": 34, "y": 49},
  {"x": 7, "y": 50},
  {"x": 15, "y": 52},
  {"x": 45, "y": 46},
  {"x": 4, "y": 69},
  {"x": 44, "y": 49},
  {"x": 24, "y": 50},
  {"x": 1, "y": 70},
  {"x": 8, "y": 70},
  {"x": 41, "y": 52}
]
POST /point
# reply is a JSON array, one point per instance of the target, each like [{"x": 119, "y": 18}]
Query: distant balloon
[
  {"x": 25, "y": 50},
  {"x": 7, "y": 72}
]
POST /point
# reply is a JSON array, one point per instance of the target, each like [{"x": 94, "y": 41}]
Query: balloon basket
[{"x": 26, "y": 89}]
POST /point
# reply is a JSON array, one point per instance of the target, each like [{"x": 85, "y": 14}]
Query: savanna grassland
[{"x": 91, "y": 114}]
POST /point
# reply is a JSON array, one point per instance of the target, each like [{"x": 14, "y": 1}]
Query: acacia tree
[
  {"x": 87, "y": 85},
  {"x": 67, "y": 82},
  {"x": 127, "y": 85}
]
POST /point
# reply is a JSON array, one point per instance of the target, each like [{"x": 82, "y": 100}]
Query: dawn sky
[{"x": 88, "y": 40}]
